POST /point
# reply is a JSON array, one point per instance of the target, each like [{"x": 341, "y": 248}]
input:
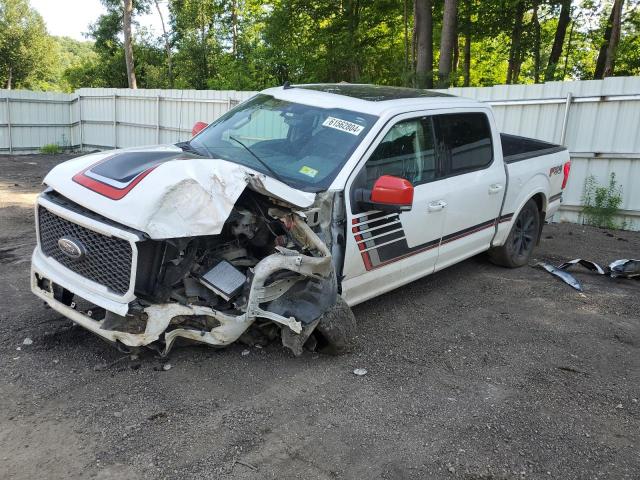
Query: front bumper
[
  {"x": 51, "y": 270},
  {"x": 45, "y": 273},
  {"x": 158, "y": 316}
]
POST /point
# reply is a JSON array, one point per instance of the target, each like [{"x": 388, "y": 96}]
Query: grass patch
[{"x": 51, "y": 149}]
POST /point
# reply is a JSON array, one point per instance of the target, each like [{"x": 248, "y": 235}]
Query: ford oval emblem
[{"x": 71, "y": 247}]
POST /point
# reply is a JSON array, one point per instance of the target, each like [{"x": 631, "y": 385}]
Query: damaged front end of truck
[{"x": 258, "y": 270}]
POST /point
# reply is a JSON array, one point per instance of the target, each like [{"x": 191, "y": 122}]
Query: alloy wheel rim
[{"x": 524, "y": 234}]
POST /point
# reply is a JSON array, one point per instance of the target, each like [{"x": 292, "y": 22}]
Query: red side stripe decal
[{"x": 365, "y": 255}]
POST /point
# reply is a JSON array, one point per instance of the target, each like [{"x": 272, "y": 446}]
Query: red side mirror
[
  {"x": 392, "y": 191},
  {"x": 198, "y": 127}
]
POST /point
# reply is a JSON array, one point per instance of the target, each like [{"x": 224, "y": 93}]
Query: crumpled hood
[{"x": 163, "y": 191}]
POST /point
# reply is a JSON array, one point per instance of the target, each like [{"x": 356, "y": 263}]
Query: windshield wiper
[
  {"x": 187, "y": 147},
  {"x": 262, "y": 162}
]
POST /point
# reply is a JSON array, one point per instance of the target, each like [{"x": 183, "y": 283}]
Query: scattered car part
[
  {"x": 566, "y": 277},
  {"x": 623, "y": 268},
  {"x": 594, "y": 267}
]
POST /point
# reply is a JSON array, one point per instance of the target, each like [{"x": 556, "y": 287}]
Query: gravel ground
[{"x": 474, "y": 372}]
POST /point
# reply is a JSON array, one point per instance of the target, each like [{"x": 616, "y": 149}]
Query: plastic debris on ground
[
  {"x": 594, "y": 267},
  {"x": 562, "y": 275},
  {"x": 624, "y": 268}
]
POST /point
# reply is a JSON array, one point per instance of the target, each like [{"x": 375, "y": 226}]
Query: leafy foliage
[
  {"x": 25, "y": 53},
  {"x": 602, "y": 202},
  {"x": 250, "y": 44}
]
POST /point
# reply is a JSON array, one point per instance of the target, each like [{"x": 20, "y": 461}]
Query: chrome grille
[{"x": 107, "y": 260}]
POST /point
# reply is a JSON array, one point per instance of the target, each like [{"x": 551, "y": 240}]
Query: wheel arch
[
  {"x": 538, "y": 195},
  {"x": 541, "y": 201}
]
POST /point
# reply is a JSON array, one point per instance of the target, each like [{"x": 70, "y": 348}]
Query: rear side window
[{"x": 464, "y": 140}]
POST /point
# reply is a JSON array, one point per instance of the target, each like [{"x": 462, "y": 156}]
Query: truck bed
[{"x": 516, "y": 148}]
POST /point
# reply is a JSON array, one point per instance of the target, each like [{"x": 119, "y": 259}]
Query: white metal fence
[
  {"x": 599, "y": 120},
  {"x": 105, "y": 118}
]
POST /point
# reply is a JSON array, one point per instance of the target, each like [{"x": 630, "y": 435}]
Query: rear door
[
  {"x": 385, "y": 250},
  {"x": 476, "y": 178}
]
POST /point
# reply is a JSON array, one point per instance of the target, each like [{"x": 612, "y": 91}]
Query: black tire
[
  {"x": 522, "y": 238},
  {"x": 336, "y": 330}
]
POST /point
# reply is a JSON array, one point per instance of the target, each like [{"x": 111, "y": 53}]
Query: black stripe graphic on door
[{"x": 381, "y": 238}]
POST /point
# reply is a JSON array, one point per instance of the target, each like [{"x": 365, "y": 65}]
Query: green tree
[
  {"x": 108, "y": 67},
  {"x": 26, "y": 52}
]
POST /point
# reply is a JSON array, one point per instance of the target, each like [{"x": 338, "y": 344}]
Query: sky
[{"x": 71, "y": 18}]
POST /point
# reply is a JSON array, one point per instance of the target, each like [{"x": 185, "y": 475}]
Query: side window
[
  {"x": 465, "y": 141},
  {"x": 406, "y": 151}
]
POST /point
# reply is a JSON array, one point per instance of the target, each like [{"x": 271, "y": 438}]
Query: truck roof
[{"x": 365, "y": 98}]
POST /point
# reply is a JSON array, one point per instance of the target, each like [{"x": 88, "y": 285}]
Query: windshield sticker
[
  {"x": 343, "y": 125},
  {"x": 308, "y": 171}
]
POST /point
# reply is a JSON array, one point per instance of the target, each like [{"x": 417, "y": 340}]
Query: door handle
[
  {"x": 437, "y": 206},
  {"x": 495, "y": 188}
]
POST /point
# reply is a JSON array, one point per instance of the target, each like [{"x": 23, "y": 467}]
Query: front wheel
[
  {"x": 336, "y": 330},
  {"x": 518, "y": 247}
]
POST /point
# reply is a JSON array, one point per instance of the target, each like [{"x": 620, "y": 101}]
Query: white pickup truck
[{"x": 293, "y": 206}]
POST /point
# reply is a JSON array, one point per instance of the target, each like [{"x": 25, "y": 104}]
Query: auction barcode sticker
[{"x": 343, "y": 125}]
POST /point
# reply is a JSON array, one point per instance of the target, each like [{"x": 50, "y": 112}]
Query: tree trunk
[
  {"x": 413, "y": 47},
  {"x": 405, "y": 19},
  {"x": 447, "y": 42},
  {"x": 467, "y": 45},
  {"x": 455, "y": 64},
  {"x": 536, "y": 43},
  {"x": 10, "y": 78},
  {"x": 353, "y": 22},
  {"x": 205, "y": 62},
  {"x": 128, "y": 43},
  {"x": 568, "y": 52},
  {"x": 616, "y": 26},
  {"x": 602, "y": 55},
  {"x": 423, "y": 20},
  {"x": 167, "y": 45},
  {"x": 558, "y": 41},
  {"x": 516, "y": 35},
  {"x": 234, "y": 27}
]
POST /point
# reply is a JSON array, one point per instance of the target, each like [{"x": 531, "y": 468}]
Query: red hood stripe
[{"x": 109, "y": 191}]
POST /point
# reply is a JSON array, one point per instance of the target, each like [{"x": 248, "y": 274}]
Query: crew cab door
[
  {"x": 472, "y": 161},
  {"x": 386, "y": 249}
]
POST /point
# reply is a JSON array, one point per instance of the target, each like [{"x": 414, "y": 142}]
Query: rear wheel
[{"x": 522, "y": 238}]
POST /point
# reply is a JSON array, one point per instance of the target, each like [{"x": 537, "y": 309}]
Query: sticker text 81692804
[{"x": 343, "y": 125}]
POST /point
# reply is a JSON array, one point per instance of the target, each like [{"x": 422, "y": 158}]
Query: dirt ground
[{"x": 476, "y": 372}]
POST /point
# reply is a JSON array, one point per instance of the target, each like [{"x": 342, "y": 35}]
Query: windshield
[{"x": 301, "y": 145}]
